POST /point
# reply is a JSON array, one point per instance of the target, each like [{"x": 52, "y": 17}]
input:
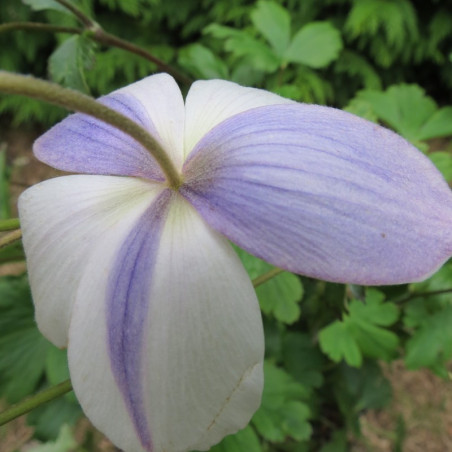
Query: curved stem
[
  {"x": 12, "y": 237},
  {"x": 81, "y": 16},
  {"x": 73, "y": 100},
  {"x": 32, "y": 402},
  {"x": 103, "y": 37},
  {"x": 261, "y": 279},
  {"x": 9, "y": 224}
]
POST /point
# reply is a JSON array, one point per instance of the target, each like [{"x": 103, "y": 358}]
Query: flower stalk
[
  {"x": 9, "y": 224},
  {"x": 34, "y": 401},
  {"x": 72, "y": 100}
]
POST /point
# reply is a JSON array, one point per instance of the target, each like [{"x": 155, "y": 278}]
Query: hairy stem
[
  {"x": 9, "y": 224},
  {"x": 34, "y": 401},
  {"x": 12, "y": 237},
  {"x": 73, "y": 100}
]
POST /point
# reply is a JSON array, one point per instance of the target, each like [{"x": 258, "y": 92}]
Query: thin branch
[
  {"x": 423, "y": 294},
  {"x": 74, "y": 100},
  {"x": 10, "y": 238},
  {"x": 9, "y": 224},
  {"x": 98, "y": 34},
  {"x": 37, "y": 26},
  {"x": 261, "y": 279},
  {"x": 81, "y": 16},
  {"x": 103, "y": 37},
  {"x": 34, "y": 401}
]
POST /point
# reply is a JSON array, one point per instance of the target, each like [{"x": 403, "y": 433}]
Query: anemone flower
[{"x": 139, "y": 281}]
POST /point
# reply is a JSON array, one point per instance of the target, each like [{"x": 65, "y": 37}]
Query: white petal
[
  {"x": 210, "y": 102},
  {"x": 190, "y": 371},
  {"x": 161, "y": 97},
  {"x": 62, "y": 219}
]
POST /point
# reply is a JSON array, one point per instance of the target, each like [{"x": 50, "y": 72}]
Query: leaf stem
[
  {"x": 12, "y": 237},
  {"x": 422, "y": 294},
  {"x": 73, "y": 100},
  {"x": 9, "y": 224},
  {"x": 37, "y": 26},
  {"x": 261, "y": 279},
  {"x": 34, "y": 401}
]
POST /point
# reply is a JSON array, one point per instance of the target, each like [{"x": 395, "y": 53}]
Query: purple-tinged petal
[
  {"x": 150, "y": 342},
  {"x": 62, "y": 219},
  {"x": 210, "y": 102},
  {"x": 320, "y": 192},
  {"x": 84, "y": 144}
]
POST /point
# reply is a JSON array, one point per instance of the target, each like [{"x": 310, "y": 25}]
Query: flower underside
[{"x": 139, "y": 281}]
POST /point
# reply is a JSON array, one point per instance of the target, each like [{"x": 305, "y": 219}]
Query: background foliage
[{"x": 387, "y": 60}]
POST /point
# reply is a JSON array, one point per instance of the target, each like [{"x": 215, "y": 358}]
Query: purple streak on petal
[
  {"x": 127, "y": 307},
  {"x": 321, "y": 192},
  {"x": 83, "y": 144}
]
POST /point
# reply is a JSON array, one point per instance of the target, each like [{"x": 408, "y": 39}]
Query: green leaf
[
  {"x": 245, "y": 440},
  {"x": 283, "y": 413},
  {"x": 202, "y": 63},
  {"x": 64, "y": 443},
  {"x": 47, "y": 419},
  {"x": 438, "y": 125},
  {"x": 56, "y": 366},
  {"x": 361, "y": 333},
  {"x": 338, "y": 342},
  {"x": 302, "y": 359},
  {"x": 68, "y": 62},
  {"x": 316, "y": 45},
  {"x": 4, "y": 185},
  {"x": 362, "y": 108},
  {"x": 431, "y": 345},
  {"x": 242, "y": 45},
  {"x": 273, "y": 21},
  {"x": 443, "y": 161},
  {"x": 280, "y": 295},
  {"x": 39, "y": 5},
  {"x": 338, "y": 442},
  {"x": 22, "y": 347},
  {"x": 405, "y": 108},
  {"x": 361, "y": 389},
  {"x": 356, "y": 65}
]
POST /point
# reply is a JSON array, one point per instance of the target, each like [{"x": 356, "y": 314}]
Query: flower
[{"x": 163, "y": 329}]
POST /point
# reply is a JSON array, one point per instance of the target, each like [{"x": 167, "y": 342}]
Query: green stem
[
  {"x": 36, "y": 26},
  {"x": 9, "y": 224},
  {"x": 97, "y": 33},
  {"x": 11, "y": 237},
  {"x": 32, "y": 402},
  {"x": 261, "y": 279},
  {"x": 73, "y": 100}
]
